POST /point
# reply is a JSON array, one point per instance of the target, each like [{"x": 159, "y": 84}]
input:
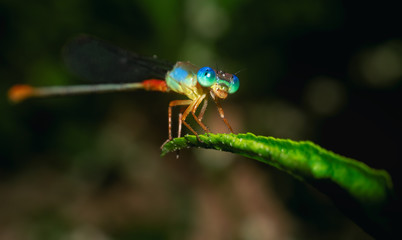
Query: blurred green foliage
[{"x": 89, "y": 166}]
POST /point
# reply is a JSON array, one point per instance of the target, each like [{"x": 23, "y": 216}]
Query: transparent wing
[{"x": 98, "y": 61}]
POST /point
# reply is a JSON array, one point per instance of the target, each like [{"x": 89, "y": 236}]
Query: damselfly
[{"x": 118, "y": 70}]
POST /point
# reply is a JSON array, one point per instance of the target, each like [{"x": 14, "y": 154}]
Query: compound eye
[
  {"x": 206, "y": 76},
  {"x": 234, "y": 84}
]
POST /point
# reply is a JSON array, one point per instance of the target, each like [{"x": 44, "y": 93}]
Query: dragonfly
[{"x": 114, "y": 69}]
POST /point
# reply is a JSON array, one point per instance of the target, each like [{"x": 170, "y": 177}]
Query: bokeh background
[{"x": 88, "y": 167}]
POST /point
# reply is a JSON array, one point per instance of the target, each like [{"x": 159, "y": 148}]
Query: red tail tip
[
  {"x": 18, "y": 93},
  {"x": 155, "y": 85}
]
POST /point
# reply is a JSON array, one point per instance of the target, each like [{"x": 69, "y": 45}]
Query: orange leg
[
  {"x": 171, "y": 105},
  {"x": 221, "y": 113},
  {"x": 185, "y": 114},
  {"x": 193, "y": 108},
  {"x": 201, "y": 114},
  {"x": 179, "y": 131},
  {"x": 198, "y": 102},
  {"x": 204, "y": 107},
  {"x": 193, "y": 105},
  {"x": 179, "y": 127}
]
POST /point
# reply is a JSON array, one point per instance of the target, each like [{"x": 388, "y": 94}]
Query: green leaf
[{"x": 360, "y": 191}]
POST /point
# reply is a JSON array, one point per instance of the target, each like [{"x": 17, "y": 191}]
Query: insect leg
[
  {"x": 204, "y": 107},
  {"x": 182, "y": 109},
  {"x": 185, "y": 114},
  {"x": 221, "y": 113},
  {"x": 179, "y": 131},
  {"x": 197, "y": 103},
  {"x": 171, "y": 105}
]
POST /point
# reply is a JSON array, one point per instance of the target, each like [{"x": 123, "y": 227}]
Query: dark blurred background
[{"x": 88, "y": 167}]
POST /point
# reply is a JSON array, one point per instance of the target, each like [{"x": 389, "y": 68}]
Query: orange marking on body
[
  {"x": 18, "y": 93},
  {"x": 155, "y": 85}
]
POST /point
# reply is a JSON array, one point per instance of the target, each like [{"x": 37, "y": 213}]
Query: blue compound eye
[
  {"x": 234, "y": 84},
  {"x": 206, "y": 76}
]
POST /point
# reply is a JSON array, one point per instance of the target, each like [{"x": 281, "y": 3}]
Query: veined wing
[{"x": 98, "y": 61}]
